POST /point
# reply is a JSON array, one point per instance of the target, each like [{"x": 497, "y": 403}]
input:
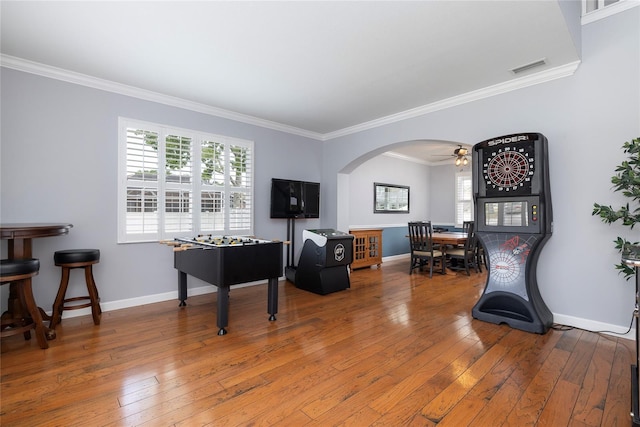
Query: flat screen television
[{"x": 294, "y": 199}]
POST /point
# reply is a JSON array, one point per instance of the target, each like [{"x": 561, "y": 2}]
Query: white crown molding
[
  {"x": 407, "y": 158},
  {"x": 26, "y": 66},
  {"x": 515, "y": 84},
  {"x": 448, "y": 161}
]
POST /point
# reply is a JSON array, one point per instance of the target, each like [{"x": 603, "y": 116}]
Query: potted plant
[{"x": 627, "y": 180}]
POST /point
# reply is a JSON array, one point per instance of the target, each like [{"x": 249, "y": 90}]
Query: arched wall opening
[{"x": 355, "y": 189}]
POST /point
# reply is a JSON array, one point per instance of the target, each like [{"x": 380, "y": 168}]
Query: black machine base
[
  {"x": 503, "y": 307},
  {"x": 324, "y": 281},
  {"x": 290, "y": 273},
  {"x": 635, "y": 403},
  {"x": 319, "y": 281}
]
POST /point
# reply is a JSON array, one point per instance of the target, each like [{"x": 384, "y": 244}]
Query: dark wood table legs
[{"x": 22, "y": 249}]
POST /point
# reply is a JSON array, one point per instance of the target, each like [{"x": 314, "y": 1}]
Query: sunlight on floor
[{"x": 399, "y": 315}]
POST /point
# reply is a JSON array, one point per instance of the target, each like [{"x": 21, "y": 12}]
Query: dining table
[
  {"x": 454, "y": 238},
  {"x": 19, "y": 238},
  {"x": 443, "y": 239},
  {"x": 448, "y": 238}
]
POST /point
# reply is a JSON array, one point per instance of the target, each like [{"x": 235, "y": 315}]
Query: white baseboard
[
  {"x": 595, "y": 326},
  {"x": 561, "y": 319},
  {"x": 393, "y": 258},
  {"x": 150, "y": 299}
]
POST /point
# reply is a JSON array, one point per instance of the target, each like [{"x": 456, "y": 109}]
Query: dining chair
[
  {"x": 422, "y": 250},
  {"x": 481, "y": 258},
  {"x": 465, "y": 229},
  {"x": 466, "y": 256}
]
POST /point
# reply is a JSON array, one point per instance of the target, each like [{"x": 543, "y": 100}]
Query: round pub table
[{"x": 19, "y": 238}]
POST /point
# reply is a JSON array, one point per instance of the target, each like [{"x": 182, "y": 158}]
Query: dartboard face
[
  {"x": 508, "y": 255},
  {"x": 509, "y": 169},
  {"x": 505, "y": 268}
]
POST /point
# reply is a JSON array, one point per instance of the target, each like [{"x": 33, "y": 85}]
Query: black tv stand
[{"x": 290, "y": 268}]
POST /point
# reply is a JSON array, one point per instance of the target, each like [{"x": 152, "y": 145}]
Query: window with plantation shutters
[
  {"x": 464, "y": 198},
  {"x": 176, "y": 182}
]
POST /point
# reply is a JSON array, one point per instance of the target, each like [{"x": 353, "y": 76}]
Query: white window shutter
[{"x": 177, "y": 182}]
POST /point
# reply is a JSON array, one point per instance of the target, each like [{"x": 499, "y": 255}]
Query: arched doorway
[{"x": 429, "y": 152}]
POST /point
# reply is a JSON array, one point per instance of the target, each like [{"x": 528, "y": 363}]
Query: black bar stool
[
  {"x": 19, "y": 272},
  {"x": 68, "y": 260}
]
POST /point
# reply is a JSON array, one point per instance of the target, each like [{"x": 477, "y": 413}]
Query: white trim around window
[
  {"x": 464, "y": 198},
  {"x": 175, "y": 182}
]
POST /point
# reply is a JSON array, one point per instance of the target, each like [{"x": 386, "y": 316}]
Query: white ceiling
[{"x": 318, "y": 69}]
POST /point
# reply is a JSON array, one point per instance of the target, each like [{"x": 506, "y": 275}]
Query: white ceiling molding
[
  {"x": 109, "y": 86},
  {"x": 406, "y": 158},
  {"x": 515, "y": 84},
  {"x": 20, "y": 64}
]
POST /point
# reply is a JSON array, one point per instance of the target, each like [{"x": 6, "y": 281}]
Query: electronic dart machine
[{"x": 514, "y": 220}]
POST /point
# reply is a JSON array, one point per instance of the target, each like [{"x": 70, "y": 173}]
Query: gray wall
[
  {"x": 59, "y": 163},
  {"x": 387, "y": 170},
  {"x": 432, "y": 191},
  {"x": 586, "y": 118},
  {"x": 443, "y": 187}
]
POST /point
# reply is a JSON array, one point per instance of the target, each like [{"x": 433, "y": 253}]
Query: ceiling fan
[{"x": 460, "y": 154}]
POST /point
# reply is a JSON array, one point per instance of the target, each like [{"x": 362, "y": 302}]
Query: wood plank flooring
[{"x": 394, "y": 350}]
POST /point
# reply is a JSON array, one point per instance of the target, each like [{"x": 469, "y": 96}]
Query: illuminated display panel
[{"x": 509, "y": 214}]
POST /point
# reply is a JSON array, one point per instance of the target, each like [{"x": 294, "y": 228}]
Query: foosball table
[{"x": 223, "y": 261}]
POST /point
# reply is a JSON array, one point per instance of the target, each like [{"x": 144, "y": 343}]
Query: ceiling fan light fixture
[
  {"x": 465, "y": 162},
  {"x": 460, "y": 151},
  {"x": 458, "y": 161}
]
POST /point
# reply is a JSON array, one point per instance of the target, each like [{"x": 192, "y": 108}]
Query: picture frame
[{"x": 390, "y": 198}]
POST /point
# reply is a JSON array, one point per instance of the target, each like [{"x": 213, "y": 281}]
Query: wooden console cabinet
[{"x": 367, "y": 247}]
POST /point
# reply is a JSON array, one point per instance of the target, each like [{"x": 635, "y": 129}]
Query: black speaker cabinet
[{"x": 323, "y": 263}]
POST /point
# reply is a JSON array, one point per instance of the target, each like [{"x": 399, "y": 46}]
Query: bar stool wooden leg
[
  {"x": 96, "y": 311},
  {"x": 68, "y": 260},
  {"x": 23, "y": 320},
  {"x": 35, "y": 314},
  {"x": 18, "y": 274},
  {"x": 56, "y": 315}
]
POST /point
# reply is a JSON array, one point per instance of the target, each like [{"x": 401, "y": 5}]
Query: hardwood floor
[{"x": 392, "y": 350}]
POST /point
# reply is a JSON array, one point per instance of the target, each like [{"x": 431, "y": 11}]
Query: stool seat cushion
[
  {"x": 71, "y": 256},
  {"x": 15, "y": 267}
]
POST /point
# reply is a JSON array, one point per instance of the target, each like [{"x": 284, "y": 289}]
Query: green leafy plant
[{"x": 627, "y": 180}]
